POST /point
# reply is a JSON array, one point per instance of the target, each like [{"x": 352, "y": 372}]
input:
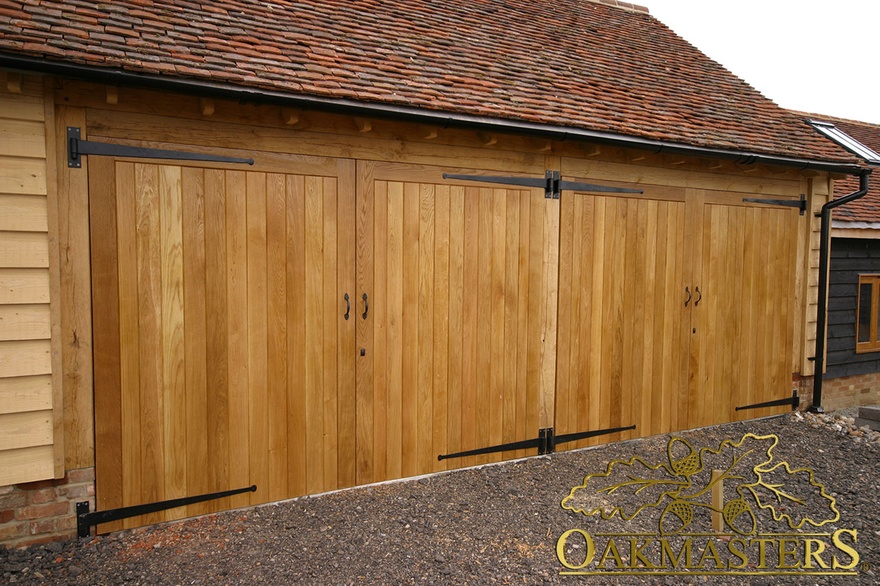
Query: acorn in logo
[
  {"x": 689, "y": 464},
  {"x": 739, "y": 516},
  {"x": 676, "y": 516}
]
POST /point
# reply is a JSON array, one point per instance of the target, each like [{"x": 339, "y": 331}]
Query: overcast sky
[{"x": 804, "y": 55}]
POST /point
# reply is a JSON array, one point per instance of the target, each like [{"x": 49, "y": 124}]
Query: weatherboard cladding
[
  {"x": 849, "y": 258},
  {"x": 598, "y": 66}
]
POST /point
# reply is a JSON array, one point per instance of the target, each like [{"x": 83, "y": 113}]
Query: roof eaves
[{"x": 117, "y": 76}]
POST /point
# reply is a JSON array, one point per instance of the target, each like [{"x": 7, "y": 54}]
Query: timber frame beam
[{"x": 347, "y": 106}]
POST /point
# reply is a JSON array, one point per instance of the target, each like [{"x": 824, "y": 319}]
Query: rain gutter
[
  {"x": 824, "y": 253},
  {"x": 444, "y": 119}
]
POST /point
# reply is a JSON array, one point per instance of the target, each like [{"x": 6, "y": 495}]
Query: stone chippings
[
  {"x": 493, "y": 524},
  {"x": 843, "y": 422}
]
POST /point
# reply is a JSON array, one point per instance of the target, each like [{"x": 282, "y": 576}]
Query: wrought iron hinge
[
  {"x": 76, "y": 148},
  {"x": 794, "y": 401},
  {"x": 546, "y": 442},
  {"x": 552, "y": 189},
  {"x": 85, "y": 520},
  {"x": 552, "y": 183},
  {"x": 800, "y": 204}
]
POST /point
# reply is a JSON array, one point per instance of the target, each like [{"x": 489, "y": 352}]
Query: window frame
[{"x": 873, "y": 342}]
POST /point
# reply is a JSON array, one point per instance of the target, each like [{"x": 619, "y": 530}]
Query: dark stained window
[{"x": 868, "y": 318}]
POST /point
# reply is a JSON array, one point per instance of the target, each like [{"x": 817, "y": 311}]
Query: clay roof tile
[{"x": 597, "y": 65}]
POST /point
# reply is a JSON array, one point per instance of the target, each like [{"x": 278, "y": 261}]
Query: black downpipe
[{"x": 824, "y": 253}]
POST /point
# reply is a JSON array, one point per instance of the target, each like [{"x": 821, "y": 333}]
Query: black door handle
[
  {"x": 688, "y": 300},
  {"x": 366, "y": 306},
  {"x": 347, "y": 307},
  {"x": 697, "y": 302}
]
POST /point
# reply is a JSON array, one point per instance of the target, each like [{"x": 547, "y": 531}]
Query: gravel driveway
[{"x": 496, "y": 524}]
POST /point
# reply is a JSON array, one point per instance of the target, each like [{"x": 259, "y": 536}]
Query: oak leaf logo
[{"x": 682, "y": 485}]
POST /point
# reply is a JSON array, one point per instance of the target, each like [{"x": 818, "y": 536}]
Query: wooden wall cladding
[{"x": 27, "y": 401}]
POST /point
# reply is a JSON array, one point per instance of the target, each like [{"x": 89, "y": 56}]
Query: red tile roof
[
  {"x": 867, "y": 208},
  {"x": 602, "y": 66}
]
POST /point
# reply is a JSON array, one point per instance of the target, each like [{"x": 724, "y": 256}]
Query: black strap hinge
[
  {"x": 794, "y": 401},
  {"x": 546, "y": 442},
  {"x": 76, "y": 148},
  {"x": 552, "y": 183},
  {"x": 800, "y": 204},
  {"x": 553, "y": 179},
  {"x": 85, "y": 520}
]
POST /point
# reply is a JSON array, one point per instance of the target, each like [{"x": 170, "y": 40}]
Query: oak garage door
[
  {"x": 455, "y": 277},
  {"x": 676, "y": 308},
  {"x": 319, "y": 323},
  {"x": 304, "y": 331},
  {"x": 222, "y": 358}
]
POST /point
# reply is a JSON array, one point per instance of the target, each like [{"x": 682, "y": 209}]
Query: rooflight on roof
[{"x": 846, "y": 141}]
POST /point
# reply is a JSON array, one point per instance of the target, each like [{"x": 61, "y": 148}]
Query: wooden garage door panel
[
  {"x": 221, "y": 356},
  {"x": 745, "y": 322},
  {"x": 453, "y": 339},
  {"x": 622, "y": 346}
]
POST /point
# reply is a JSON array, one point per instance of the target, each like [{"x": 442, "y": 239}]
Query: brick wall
[
  {"x": 804, "y": 386},
  {"x": 840, "y": 392},
  {"x": 38, "y": 512},
  {"x": 851, "y": 391}
]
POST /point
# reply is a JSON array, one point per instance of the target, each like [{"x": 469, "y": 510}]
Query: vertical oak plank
[
  {"x": 649, "y": 251},
  {"x": 314, "y": 334},
  {"x": 77, "y": 371},
  {"x": 366, "y": 441},
  {"x": 276, "y": 343},
  {"x": 425, "y": 356},
  {"x": 129, "y": 337},
  {"x": 497, "y": 294},
  {"x": 237, "y": 317},
  {"x": 483, "y": 290},
  {"x": 441, "y": 323},
  {"x": 393, "y": 192},
  {"x": 108, "y": 381},
  {"x": 198, "y": 474},
  {"x": 347, "y": 352},
  {"x": 538, "y": 216},
  {"x": 217, "y": 334},
  {"x": 330, "y": 358},
  {"x": 297, "y": 344},
  {"x": 456, "y": 320},
  {"x": 522, "y": 319},
  {"x": 509, "y": 414},
  {"x": 597, "y": 330},
  {"x": 172, "y": 335},
  {"x": 566, "y": 395},
  {"x": 470, "y": 336},
  {"x": 410, "y": 366},
  {"x": 384, "y": 420},
  {"x": 631, "y": 312},
  {"x": 150, "y": 323},
  {"x": 55, "y": 294},
  {"x": 257, "y": 334},
  {"x": 550, "y": 299}
]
